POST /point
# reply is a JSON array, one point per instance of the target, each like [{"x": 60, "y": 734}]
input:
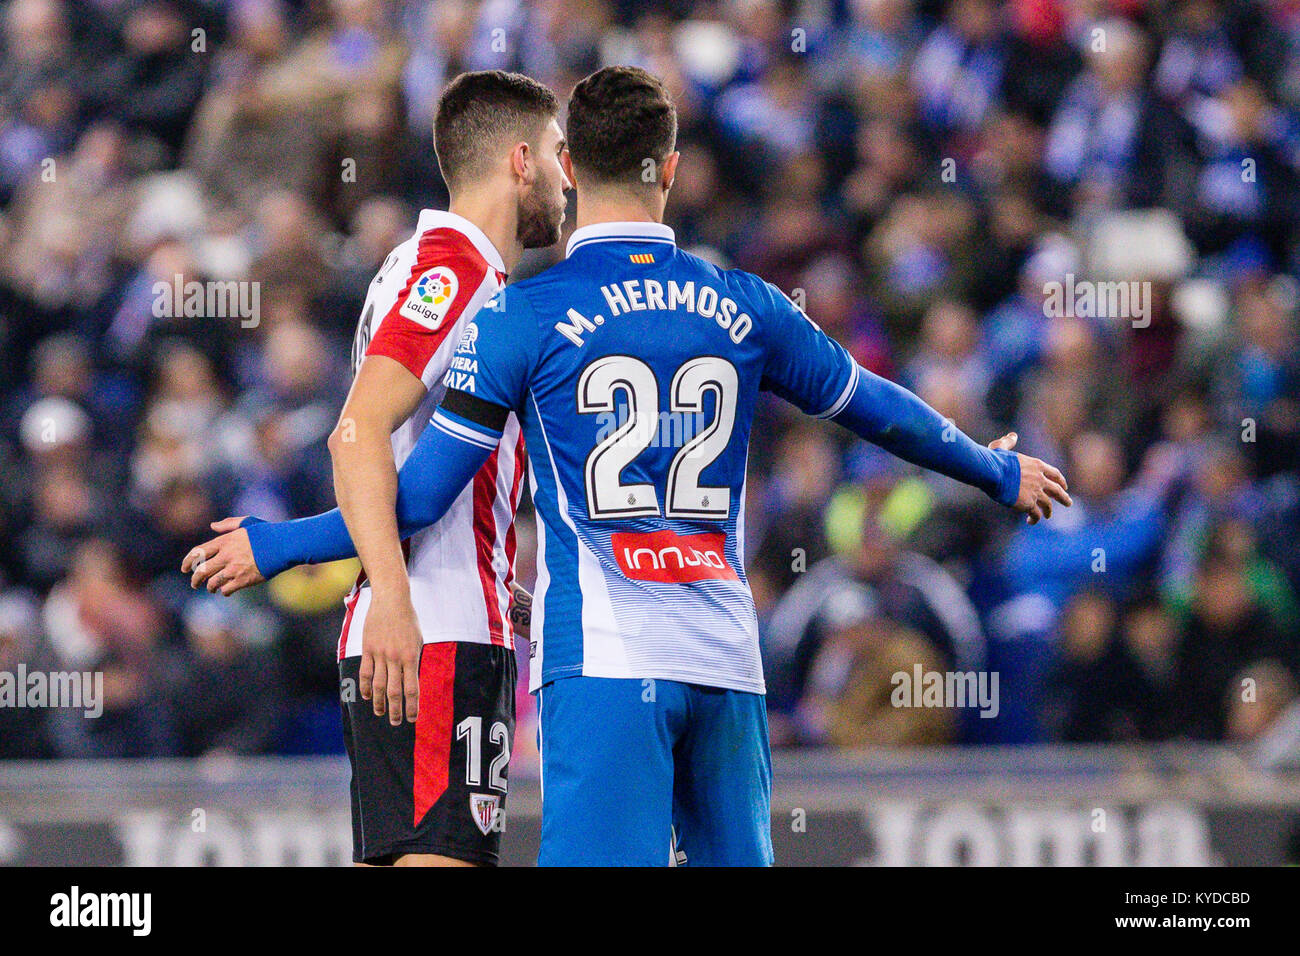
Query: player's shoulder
[
  {"x": 443, "y": 268},
  {"x": 444, "y": 244},
  {"x": 753, "y": 293},
  {"x": 736, "y": 281},
  {"x": 513, "y": 310},
  {"x": 551, "y": 279},
  {"x": 530, "y": 296}
]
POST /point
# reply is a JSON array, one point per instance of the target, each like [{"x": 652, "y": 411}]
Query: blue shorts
[{"x": 635, "y": 769}]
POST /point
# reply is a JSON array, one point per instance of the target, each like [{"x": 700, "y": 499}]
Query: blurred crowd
[{"x": 921, "y": 176}]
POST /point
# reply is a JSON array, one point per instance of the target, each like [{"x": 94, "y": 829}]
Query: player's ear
[
  {"x": 521, "y": 163},
  {"x": 670, "y": 170},
  {"x": 566, "y": 164}
]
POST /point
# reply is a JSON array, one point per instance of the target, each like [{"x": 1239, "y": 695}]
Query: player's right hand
[
  {"x": 1040, "y": 483},
  {"x": 226, "y": 562},
  {"x": 390, "y": 658}
]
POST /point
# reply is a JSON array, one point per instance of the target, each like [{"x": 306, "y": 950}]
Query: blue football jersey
[{"x": 634, "y": 368}]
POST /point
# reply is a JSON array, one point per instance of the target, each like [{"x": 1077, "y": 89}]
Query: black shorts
[{"x": 437, "y": 785}]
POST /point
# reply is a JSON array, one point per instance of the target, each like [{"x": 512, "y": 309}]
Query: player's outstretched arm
[
  {"x": 890, "y": 416},
  {"x": 442, "y": 463},
  {"x": 809, "y": 368}
]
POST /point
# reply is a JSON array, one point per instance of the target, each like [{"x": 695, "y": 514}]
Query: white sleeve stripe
[
  {"x": 845, "y": 396},
  {"x": 469, "y": 431},
  {"x": 462, "y": 433},
  {"x": 482, "y": 432}
]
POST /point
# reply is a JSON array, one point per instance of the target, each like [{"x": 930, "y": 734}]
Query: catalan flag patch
[{"x": 642, "y": 258}]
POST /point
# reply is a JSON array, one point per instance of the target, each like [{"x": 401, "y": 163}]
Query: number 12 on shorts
[{"x": 470, "y": 730}]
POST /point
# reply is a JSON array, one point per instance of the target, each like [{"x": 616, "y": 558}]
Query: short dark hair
[
  {"x": 477, "y": 109},
  {"x": 618, "y": 118}
]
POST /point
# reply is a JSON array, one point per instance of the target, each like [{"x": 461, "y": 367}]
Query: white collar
[
  {"x": 439, "y": 219},
  {"x": 620, "y": 232}
]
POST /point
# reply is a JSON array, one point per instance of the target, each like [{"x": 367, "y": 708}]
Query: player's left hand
[
  {"x": 226, "y": 562},
  {"x": 390, "y": 658},
  {"x": 1040, "y": 483}
]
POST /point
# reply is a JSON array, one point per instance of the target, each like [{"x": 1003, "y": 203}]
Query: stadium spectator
[
  {"x": 909, "y": 593},
  {"x": 851, "y": 700},
  {"x": 1226, "y": 631},
  {"x": 916, "y": 175},
  {"x": 23, "y": 730},
  {"x": 101, "y": 618},
  {"x": 223, "y": 688}
]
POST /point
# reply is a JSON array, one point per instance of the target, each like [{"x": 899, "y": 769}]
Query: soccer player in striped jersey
[{"x": 430, "y": 737}]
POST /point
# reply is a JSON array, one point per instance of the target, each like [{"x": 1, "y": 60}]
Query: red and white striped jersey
[{"x": 416, "y": 312}]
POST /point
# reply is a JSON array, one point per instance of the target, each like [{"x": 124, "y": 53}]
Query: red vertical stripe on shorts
[
  {"x": 485, "y": 540},
  {"x": 433, "y": 730}
]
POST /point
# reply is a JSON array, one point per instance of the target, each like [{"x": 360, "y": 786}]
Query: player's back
[{"x": 637, "y": 404}]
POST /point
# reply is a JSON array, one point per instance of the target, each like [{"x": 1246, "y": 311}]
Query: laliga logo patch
[{"x": 431, "y": 297}]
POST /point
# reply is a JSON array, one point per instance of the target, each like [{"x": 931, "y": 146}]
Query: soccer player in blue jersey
[{"x": 645, "y": 654}]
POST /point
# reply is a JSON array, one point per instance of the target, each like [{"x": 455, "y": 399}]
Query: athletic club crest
[{"x": 484, "y": 808}]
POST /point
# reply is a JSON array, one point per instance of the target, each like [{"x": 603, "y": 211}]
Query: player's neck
[
  {"x": 498, "y": 220},
  {"x": 612, "y": 207}
]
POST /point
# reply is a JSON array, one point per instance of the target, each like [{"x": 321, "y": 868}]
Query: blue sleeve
[
  {"x": 447, "y": 456},
  {"x": 890, "y": 416},
  {"x": 496, "y": 355},
  {"x": 802, "y": 364},
  {"x": 811, "y": 370}
]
